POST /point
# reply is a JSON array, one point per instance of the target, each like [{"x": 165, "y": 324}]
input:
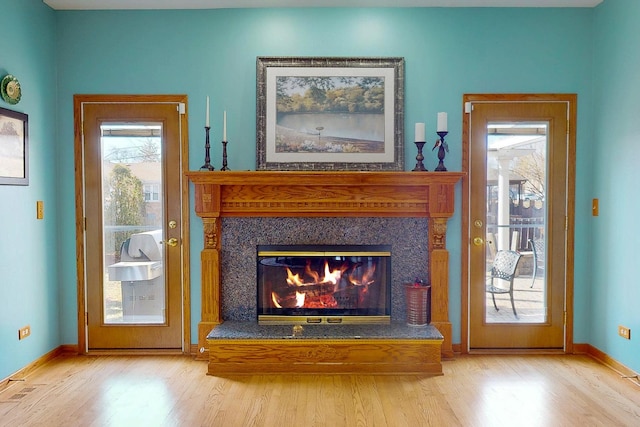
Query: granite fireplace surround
[
  {"x": 240, "y": 236},
  {"x": 239, "y": 210}
]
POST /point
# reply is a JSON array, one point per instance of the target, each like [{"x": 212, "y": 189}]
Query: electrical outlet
[
  {"x": 24, "y": 332},
  {"x": 39, "y": 209},
  {"x": 624, "y": 332}
]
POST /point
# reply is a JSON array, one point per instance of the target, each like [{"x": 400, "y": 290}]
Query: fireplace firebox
[{"x": 326, "y": 284}]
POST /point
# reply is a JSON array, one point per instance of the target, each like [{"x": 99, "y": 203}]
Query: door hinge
[
  {"x": 565, "y": 317},
  {"x": 182, "y": 108},
  {"x": 86, "y": 318},
  {"x": 566, "y": 223}
]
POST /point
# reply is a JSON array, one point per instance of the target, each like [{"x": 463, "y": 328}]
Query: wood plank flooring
[{"x": 476, "y": 390}]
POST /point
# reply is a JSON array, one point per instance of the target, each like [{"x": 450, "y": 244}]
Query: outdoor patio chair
[
  {"x": 537, "y": 246},
  {"x": 504, "y": 268}
]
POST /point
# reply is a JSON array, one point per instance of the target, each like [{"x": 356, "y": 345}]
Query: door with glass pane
[
  {"x": 133, "y": 225},
  {"x": 518, "y": 216}
]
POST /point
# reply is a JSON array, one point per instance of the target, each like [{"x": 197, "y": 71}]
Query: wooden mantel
[{"x": 324, "y": 194}]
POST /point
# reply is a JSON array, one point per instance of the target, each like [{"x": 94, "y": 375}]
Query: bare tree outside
[
  {"x": 149, "y": 151},
  {"x": 532, "y": 167}
]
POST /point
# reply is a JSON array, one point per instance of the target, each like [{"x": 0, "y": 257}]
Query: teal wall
[
  {"x": 615, "y": 283},
  {"x": 29, "y": 283},
  {"x": 448, "y": 52}
]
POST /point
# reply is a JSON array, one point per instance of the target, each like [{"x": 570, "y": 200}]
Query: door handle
[
  {"x": 478, "y": 241},
  {"x": 171, "y": 242}
]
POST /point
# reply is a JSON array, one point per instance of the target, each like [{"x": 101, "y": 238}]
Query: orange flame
[
  {"x": 332, "y": 277},
  {"x": 366, "y": 279},
  {"x": 312, "y": 273},
  {"x": 300, "y": 297},
  {"x": 293, "y": 279},
  {"x": 274, "y": 298}
]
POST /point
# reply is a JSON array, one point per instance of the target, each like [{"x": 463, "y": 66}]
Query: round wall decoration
[{"x": 10, "y": 89}]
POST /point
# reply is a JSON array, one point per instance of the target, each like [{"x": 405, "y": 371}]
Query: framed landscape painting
[
  {"x": 330, "y": 113},
  {"x": 14, "y": 148}
]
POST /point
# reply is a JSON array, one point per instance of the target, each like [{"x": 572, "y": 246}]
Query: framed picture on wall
[
  {"x": 14, "y": 147},
  {"x": 330, "y": 113}
]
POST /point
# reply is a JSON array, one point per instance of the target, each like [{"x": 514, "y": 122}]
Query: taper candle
[
  {"x": 224, "y": 126},
  {"x": 206, "y": 121}
]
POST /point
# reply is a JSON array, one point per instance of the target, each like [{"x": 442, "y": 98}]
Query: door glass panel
[
  {"x": 516, "y": 212},
  {"x": 132, "y": 207}
]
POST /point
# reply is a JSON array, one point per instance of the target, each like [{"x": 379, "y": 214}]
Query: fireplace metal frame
[{"x": 327, "y": 316}]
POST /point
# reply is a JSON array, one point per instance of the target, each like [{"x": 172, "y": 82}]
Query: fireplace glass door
[{"x": 323, "y": 284}]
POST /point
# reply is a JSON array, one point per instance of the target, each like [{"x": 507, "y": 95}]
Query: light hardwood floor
[{"x": 476, "y": 390}]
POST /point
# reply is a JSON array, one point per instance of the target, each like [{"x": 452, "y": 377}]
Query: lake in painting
[{"x": 330, "y": 133}]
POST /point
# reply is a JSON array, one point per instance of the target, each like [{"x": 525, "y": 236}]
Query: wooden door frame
[
  {"x": 78, "y": 101},
  {"x": 571, "y": 99}
]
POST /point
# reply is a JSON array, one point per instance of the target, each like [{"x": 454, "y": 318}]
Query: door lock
[
  {"x": 478, "y": 241},
  {"x": 173, "y": 224},
  {"x": 171, "y": 242}
]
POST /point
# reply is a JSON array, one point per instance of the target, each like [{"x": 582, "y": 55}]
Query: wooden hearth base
[{"x": 239, "y": 348}]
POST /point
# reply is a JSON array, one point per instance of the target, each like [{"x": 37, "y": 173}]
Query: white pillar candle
[
  {"x": 419, "y": 132},
  {"x": 206, "y": 121},
  {"x": 224, "y": 126},
  {"x": 442, "y": 122}
]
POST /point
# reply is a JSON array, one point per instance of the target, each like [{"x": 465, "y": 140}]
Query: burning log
[{"x": 311, "y": 295}]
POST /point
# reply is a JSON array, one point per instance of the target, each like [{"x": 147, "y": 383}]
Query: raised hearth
[{"x": 249, "y": 348}]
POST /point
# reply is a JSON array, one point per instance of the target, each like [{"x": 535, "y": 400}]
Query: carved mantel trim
[{"x": 324, "y": 194}]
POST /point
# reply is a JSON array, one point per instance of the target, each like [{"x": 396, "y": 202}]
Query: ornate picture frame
[
  {"x": 329, "y": 113},
  {"x": 14, "y": 147}
]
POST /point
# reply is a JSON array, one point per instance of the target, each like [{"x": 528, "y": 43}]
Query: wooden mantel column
[
  {"x": 324, "y": 194},
  {"x": 208, "y": 208},
  {"x": 441, "y": 199}
]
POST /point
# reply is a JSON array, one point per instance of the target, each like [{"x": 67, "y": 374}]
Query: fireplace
[
  {"x": 326, "y": 284},
  {"x": 319, "y": 194}
]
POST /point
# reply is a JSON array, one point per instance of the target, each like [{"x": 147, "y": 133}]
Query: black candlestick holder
[
  {"x": 224, "y": 156},
  {"x": 442, "y": 146},
  {"x": 207, "y": 148},
  {"x": 419, "y": 157}
]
